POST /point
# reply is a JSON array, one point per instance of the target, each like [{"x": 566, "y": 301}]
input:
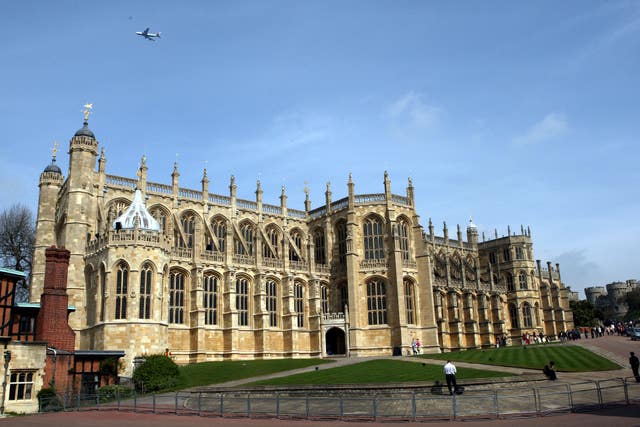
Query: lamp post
[{"x": 7, "y": 359}]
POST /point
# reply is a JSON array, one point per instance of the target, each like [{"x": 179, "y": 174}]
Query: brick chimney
[{"x": 52, "y": 323}]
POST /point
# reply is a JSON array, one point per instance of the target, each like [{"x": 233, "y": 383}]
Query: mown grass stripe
[{"x": 567, "y": 357}]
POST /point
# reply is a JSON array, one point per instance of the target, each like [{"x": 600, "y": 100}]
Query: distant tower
[
  {"x": 51, "y": 180},
  {"x": 73, "y": 210},
  {"x": 472, "y": 234}
]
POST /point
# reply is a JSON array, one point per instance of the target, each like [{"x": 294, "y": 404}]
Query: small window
[
  {"x": 519, "y": 253},
  {"x": 506, "y": 255},
  {"x": 21, "y": 385},
  {"x": 492, "y": 258}
]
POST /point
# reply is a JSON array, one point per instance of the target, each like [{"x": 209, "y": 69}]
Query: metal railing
[{"x": 409, "y": 404}]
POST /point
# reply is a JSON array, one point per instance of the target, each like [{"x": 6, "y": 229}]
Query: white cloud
[
  {"x": 412, "y": 110},
  {"x": 551, "y": 127}
]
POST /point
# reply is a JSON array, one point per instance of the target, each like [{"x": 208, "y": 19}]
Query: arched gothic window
[
  {"x": 103, "y": 291},
  {"x": 160, "y": 215},
  {"x": 210, "y": 298},
  {"x": 403, "y": 235},
  {"x": 274, "y": 239},
  {"x": 242, "y": 301},
  {"x": 344, "y": 296},
  {"x": 320, "y": 255},
  {"x": 246, "y": 229},
  {"x": 526, "y": 315},
  {"x": 298, "y": 303},
  {"x": 324, "y": 296},
  {"x": 146, "y": 275},
  {"x": 272, "y": 302},
  {"x": 510, "y": 285},
  {"x": 439, "y": 307},
  {"x": 122, "y": 283},
  {"x": 219, "y": 229},
  {"x": 176, "y": 297},
  {"x": 341, "y": 233},
  {"x": 513, "y": 314},
  {"x": 409, "y": 301},
  {"x": 373, "y": 239},
  {"x": 522, "y": 278},
  {"x": 377, "y": 302},
  {"x": 295, "y": 247},
  {"x": 188, "y": 225}
]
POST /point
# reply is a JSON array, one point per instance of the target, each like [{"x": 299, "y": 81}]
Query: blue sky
[{"x": 512, "y": 112}]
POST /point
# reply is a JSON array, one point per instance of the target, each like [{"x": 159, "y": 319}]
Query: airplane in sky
[{"x": 147, "y": 35}]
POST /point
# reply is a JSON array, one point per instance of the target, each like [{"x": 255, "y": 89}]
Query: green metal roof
[{"x": 13, "y": 272}]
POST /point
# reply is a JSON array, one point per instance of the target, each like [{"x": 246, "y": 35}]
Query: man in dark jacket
[{"x": 635, "y": 364}]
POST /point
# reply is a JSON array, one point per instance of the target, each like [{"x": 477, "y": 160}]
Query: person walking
[
  {"x": 450, "y": 375},
  {"x": 635, "y": 364},
  {"x": 414, "y": 348}
]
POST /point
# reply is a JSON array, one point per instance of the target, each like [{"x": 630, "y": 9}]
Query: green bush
[
  {"x": 113, "y": 391},
  {"x": 158, "y": 372},
  {"x": 48, "y": 400}
]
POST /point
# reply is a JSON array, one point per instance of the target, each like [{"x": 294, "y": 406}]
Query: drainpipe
[{"x": 55, "y": 358}]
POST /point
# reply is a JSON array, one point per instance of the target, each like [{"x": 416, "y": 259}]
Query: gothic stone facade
[{"x": 227, "y": 278}]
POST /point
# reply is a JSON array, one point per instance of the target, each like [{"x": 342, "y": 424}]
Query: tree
[
  {"x": 584, "y": 313},
  {"x": 633, "y": 301},
  {"x": 17, "y": 239}
]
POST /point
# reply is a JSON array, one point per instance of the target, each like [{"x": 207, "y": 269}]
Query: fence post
[
  {"x": 200, "y": 404},
  {"x": 495, "y": 404},
  {"x": 154, "y": 402},
  {"x": 135, "y": 401},
  {"x": 307, "y": 405},
  {"x": 248, "y": 405},
  {"x": 175, "y": 410},
  {"x": 626, "y": 390},
  {"x": 341, "y": 406},
  {"x": 222, "y": 404},
  {"x": 455, "y": 407},
  {"x": 570, "y": 392},
  {"x": 375, "y": 407},
  {"x": 599, "y": 393},
  {"x": 536, "y": 400},
  {"x": 413, "y": 405},
  {"x": 277, "y": 404}
]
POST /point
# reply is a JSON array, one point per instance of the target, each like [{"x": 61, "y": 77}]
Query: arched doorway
[{"x": 335, "y": 342}]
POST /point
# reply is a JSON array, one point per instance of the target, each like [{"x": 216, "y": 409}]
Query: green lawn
[
  {"x": 568, "y": 358},
  {"x": 199, "y": 374},
  {"x": 379, "y": 371}
]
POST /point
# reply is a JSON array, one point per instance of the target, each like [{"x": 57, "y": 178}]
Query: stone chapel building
[{"x": 208, "y": 276}]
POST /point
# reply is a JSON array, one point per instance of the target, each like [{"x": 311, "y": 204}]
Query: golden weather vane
[
  {"x": 87, "y": 111},
  {"x": 54, "y": 150}
]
